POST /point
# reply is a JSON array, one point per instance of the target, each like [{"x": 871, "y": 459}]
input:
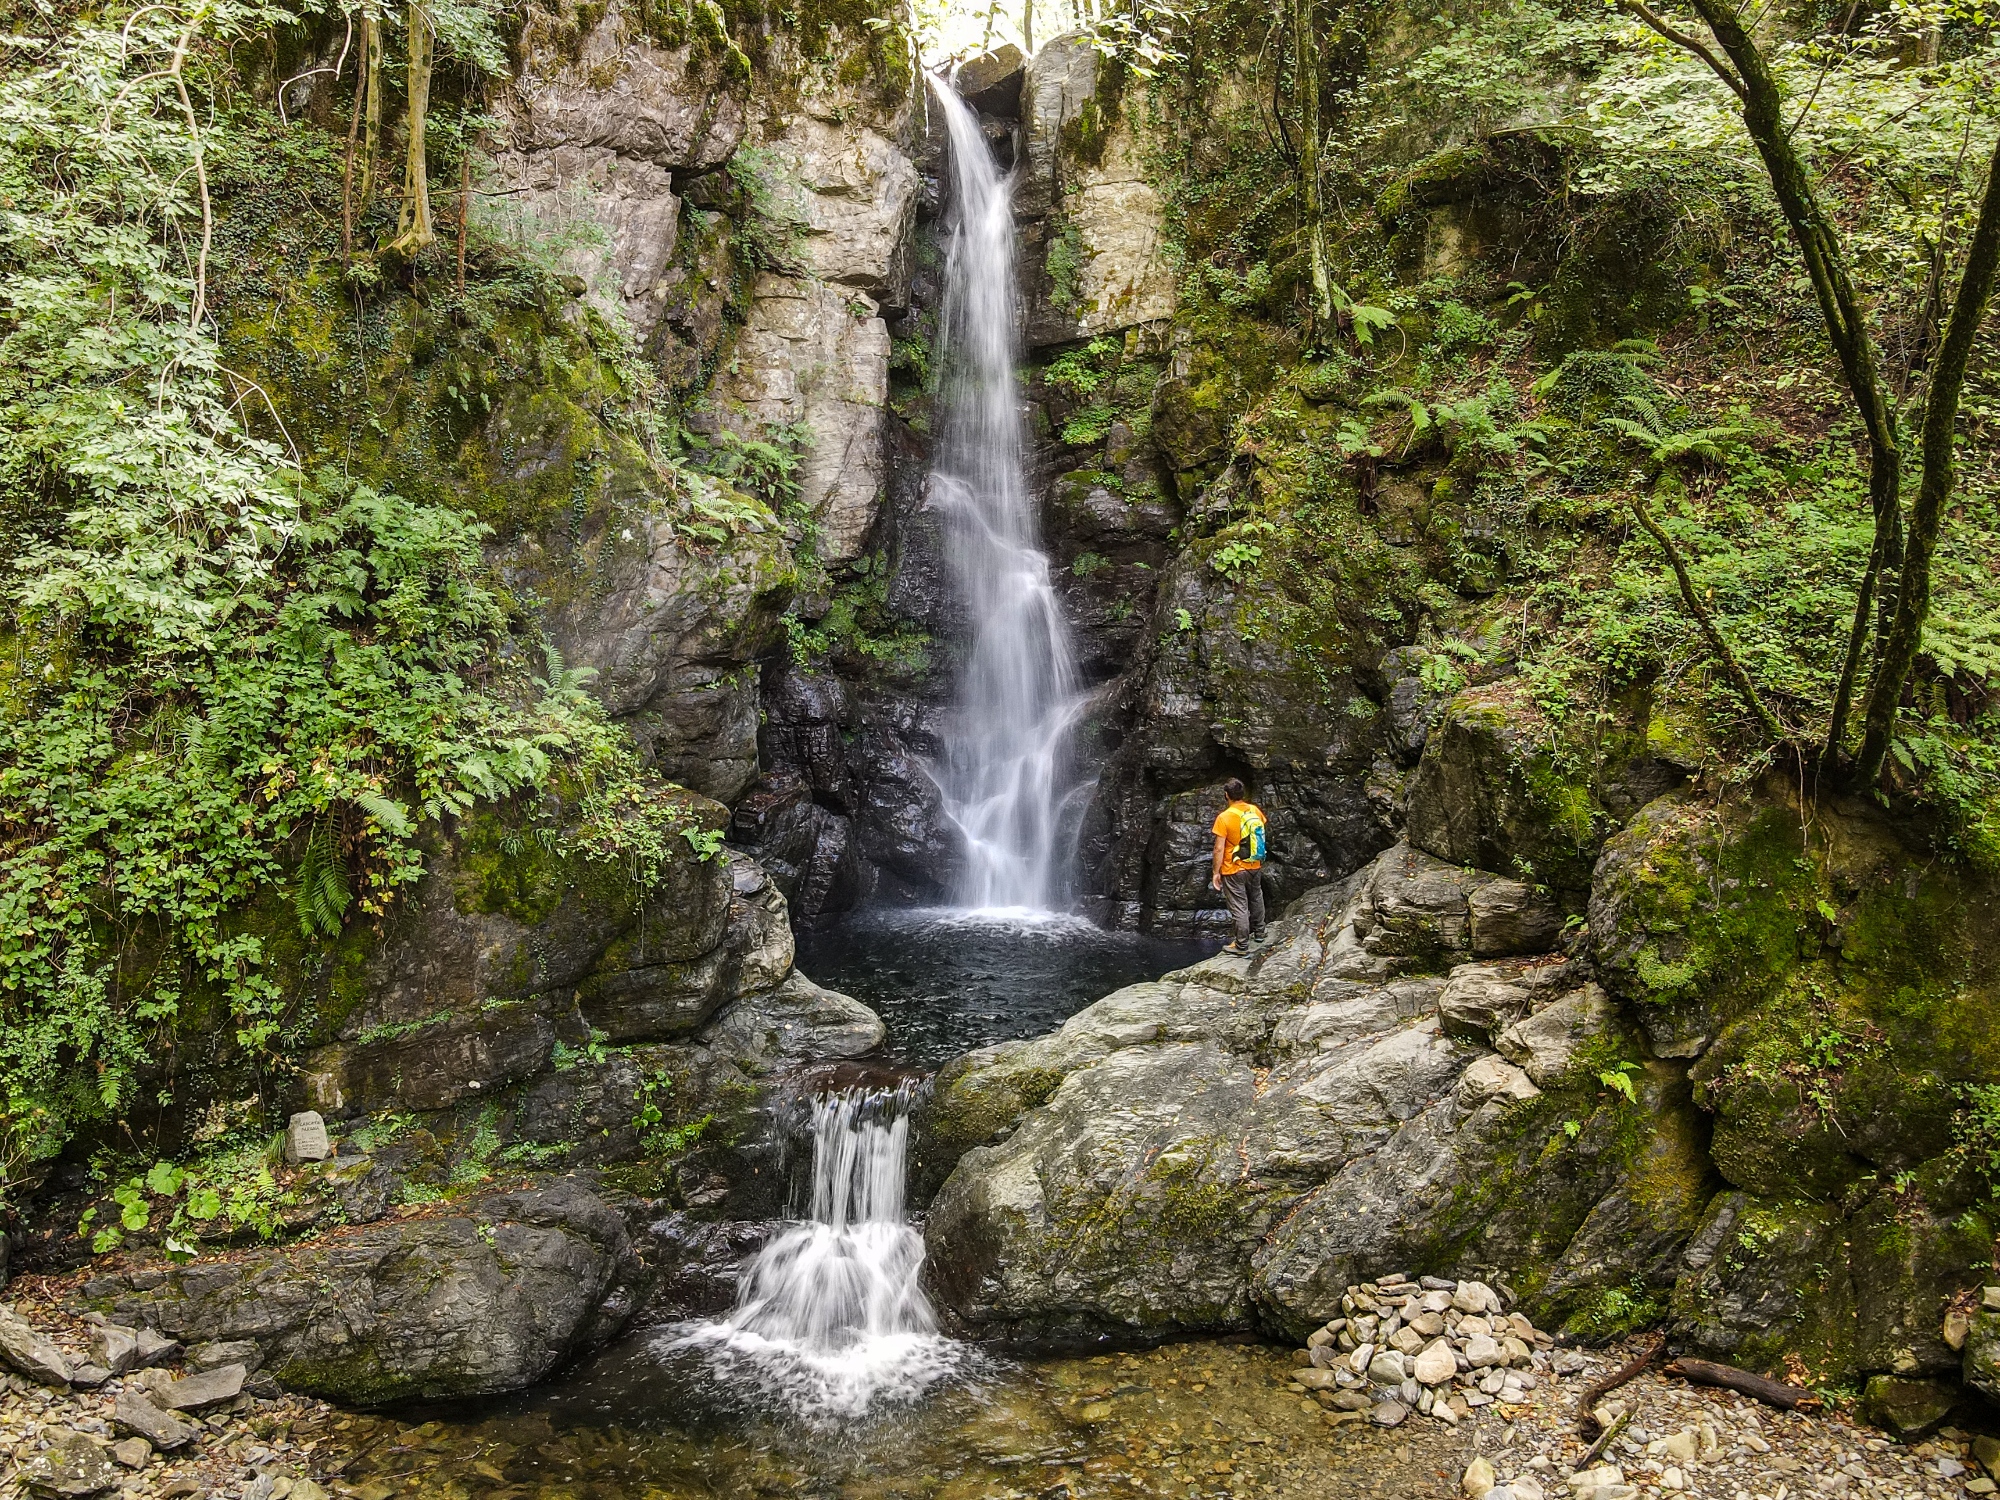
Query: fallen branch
[
  {"x": 1604, "y": 1385},
  {"x": 1770, "y": 1392},
  {"x": 1604, "y": 1441}
]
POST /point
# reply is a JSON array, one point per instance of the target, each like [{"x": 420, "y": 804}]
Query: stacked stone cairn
[{"x": 1434, "y": 1347}]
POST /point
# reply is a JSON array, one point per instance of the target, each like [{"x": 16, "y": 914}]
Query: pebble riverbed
[{"x": 1206, "y": 1418}]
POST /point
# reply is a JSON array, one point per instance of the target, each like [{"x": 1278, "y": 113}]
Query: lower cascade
[{"x": 830, "y": 1320}]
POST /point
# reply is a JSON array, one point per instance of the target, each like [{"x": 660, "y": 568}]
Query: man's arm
[{"x": 1215, "y": 865}]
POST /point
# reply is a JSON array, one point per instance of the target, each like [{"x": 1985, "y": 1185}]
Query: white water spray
[
  {"x": 1007, "y": 764},
  {"x": 830, "y": 1320}
]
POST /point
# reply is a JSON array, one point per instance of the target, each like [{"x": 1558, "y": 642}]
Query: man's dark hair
[{"x": 1234, "y": 790}]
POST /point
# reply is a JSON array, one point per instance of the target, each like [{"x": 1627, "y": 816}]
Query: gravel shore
[{"x": 1707, "y": 1444}]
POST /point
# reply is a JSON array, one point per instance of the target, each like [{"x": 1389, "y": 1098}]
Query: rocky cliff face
[{"x": 696, "y": 239}]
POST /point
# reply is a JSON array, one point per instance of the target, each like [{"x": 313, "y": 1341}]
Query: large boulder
[
  {"x": 509, "y": 946},
  {"x": 488, "y": 1296},
  {"x": 1489, "y": 792},
  {"x": 1838, "y": 1291},
  {"x": 1233, "y": 1145}
]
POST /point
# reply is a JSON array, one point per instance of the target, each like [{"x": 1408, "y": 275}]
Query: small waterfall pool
[
  {"x": 830, "y": 1323},
  {"x": 829, "y": 1378},
  {"x": 946, "y": 981}
]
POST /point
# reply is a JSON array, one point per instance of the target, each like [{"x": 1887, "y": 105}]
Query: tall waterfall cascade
[
  {"x": 1007, "y": 767},
  {"x": 830, "y": 1319}
]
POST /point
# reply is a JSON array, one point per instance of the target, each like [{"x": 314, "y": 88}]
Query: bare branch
[{"x": 1725, "y": 658}]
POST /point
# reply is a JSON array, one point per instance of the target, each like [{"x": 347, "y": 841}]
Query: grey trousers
[{"x": 1244, "y": 892}]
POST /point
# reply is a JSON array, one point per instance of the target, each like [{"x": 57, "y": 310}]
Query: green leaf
[
  {"x": 322, "y": 896},
  {"x": 164, "y": 1180}
]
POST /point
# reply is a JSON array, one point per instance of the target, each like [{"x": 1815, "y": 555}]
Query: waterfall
[
  {"x": 1007, "y": 762},
  {"x": 830, "y": 1320}
]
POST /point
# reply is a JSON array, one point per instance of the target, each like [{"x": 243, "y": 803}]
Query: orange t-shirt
[{"x": 1232, "y": 824}]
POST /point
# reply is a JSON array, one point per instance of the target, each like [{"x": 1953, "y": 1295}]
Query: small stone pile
[{"x": 1439, "y": 1348}]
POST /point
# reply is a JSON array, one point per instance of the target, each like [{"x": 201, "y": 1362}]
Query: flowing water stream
[
  {"x": 1008, "y": 774},
  {"x": 831, "y": 1377},
  {"x": 830, "y": 1320}
]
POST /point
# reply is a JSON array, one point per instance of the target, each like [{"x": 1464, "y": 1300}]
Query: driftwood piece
[
  {"x": 1603, "y": 1441},
  {"x": 1770, "y": 1392},
  {"x": 1604, "y": 1385}
]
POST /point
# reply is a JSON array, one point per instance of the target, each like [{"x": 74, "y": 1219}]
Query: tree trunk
[
  {"x": 1840, "y": 310},
  {"x": 1305, "y": 63},
  {"x": 347, "y": 171},
  {"x": 464, "y": 206},
  {"x": 1913, "y": 598},
  {"x": 1027, "y": 25},
  {"x": 413, "y": 223},
  {"x": 371, "y": 120}
]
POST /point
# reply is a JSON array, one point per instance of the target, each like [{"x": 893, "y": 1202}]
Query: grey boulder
[
  {"x": 489, "y": 1297},
  {"x": 27, "y": 1351},
  {"x": 203, "y": 1388},
  {"x": 120, "y": 1349},
  {"x": 71, "y": 1465},
  {"x": 214, "y": 1355},
  {"x": 135, "y": 1413},
  {"x": 797, "y": 1021}
]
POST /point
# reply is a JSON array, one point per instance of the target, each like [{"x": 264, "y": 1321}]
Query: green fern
[
  {"x": 322, "y": 895},
  {"x": 564, "y": 686},
  {"x": 387, "y": 811},
  {"x": 1666, "y": 447}
]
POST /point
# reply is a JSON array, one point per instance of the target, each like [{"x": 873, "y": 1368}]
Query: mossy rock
[
  {"x": 1697, "y": 913},
  {"x": 1491, "y": 793},
  {"x": 1806, "y": 1289}
]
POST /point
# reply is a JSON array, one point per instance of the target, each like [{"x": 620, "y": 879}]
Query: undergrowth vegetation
[
  {"x": 233, "y": 664},
  {"x": 1569, "y": 306}
]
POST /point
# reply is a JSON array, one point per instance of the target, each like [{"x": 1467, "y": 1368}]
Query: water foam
[{"x": 831, "y": 1322}]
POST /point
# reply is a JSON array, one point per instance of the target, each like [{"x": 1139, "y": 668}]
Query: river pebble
[{"x": 1683, "y": 1440}]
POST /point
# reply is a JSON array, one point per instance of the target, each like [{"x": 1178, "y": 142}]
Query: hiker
[{"x": 1238, "y": 868}]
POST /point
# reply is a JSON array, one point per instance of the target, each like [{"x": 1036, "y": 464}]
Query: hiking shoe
[
  {"x": 1261, "y": 935},
  {"x": 1236, "y": 950}
]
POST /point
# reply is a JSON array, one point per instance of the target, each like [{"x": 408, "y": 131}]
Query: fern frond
[
  {"x": 387, "y": 811},
  {"x": 322, "y": 895}
]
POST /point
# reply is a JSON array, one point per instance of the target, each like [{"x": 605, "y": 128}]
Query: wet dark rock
[
  {"x": 1911, "y": 1409},
  {"x": 486, "y": 1298},
  {"x": 991, "y": 82}
]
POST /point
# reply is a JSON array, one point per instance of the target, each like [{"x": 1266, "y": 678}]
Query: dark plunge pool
[{"x": 945, "y": 981}]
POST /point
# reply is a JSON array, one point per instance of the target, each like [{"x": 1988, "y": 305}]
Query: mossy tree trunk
[
  {"x": 1913, "y": 598},
  {"x": 371, "y": 132},
  {"x": 413, "y": 223},
  {"x": 1305, "y": 63},
  {"x": 367, "y": 106},
  {"x": 1894, "y": 593}
]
